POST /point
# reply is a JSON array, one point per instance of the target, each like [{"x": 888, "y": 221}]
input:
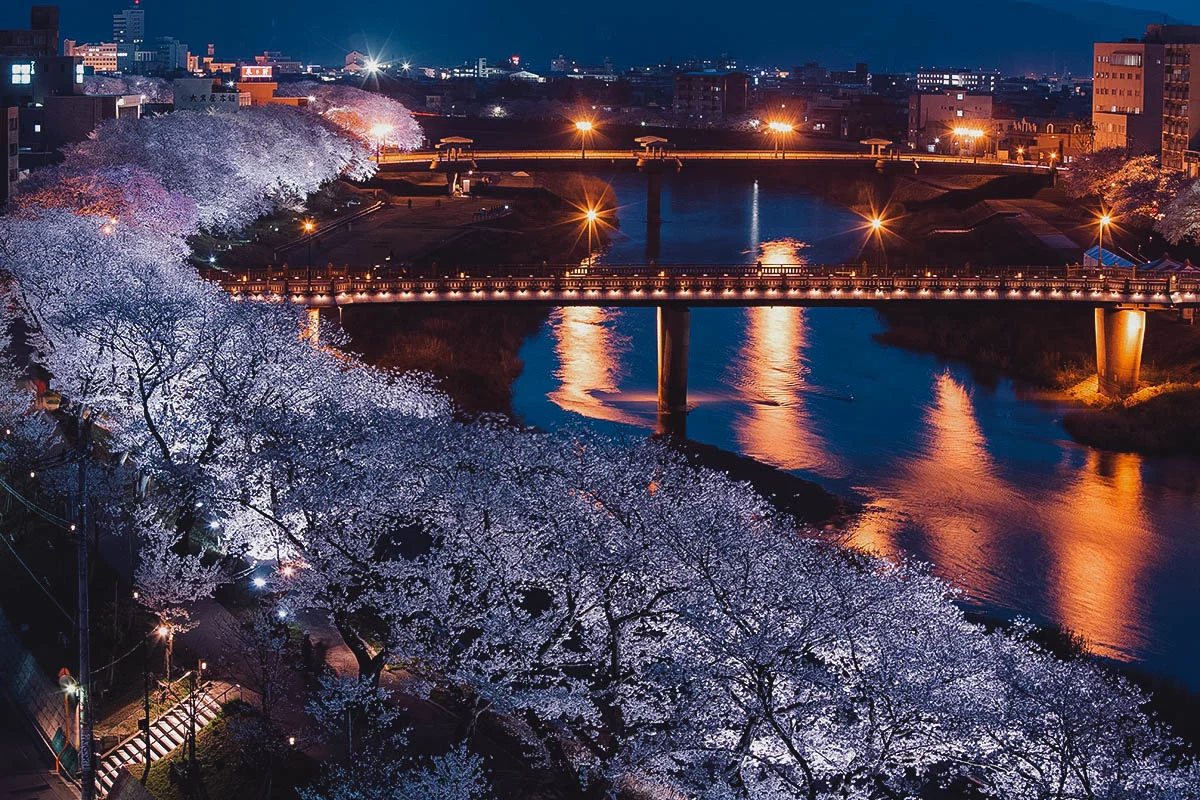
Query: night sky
[{"x": 1013, "y": 35}]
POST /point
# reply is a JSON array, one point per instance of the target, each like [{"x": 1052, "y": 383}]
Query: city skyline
[{"x": 1056, "y": 39}]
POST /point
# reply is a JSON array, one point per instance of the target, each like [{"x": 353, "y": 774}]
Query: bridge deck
[
  {"x": 708, "y": 286},
  {"x": 426, "y": 157}
]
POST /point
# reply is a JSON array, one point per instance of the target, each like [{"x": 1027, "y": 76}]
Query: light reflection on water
[{"x": 980, "y": 479}]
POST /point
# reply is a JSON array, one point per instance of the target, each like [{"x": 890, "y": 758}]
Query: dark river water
[{"x": 977, "y": 477}]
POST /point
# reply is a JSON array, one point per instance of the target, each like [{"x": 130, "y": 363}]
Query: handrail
[{"x": 330, "y": 226}]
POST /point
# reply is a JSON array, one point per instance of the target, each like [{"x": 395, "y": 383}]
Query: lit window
[
  {"x": 958, "y": 113},
  {"x": 37, "y": 127},
  {"x": 22, "y": 74},
  {"x": 960, "y": 95},
  {"x": 79, "y": 73}
]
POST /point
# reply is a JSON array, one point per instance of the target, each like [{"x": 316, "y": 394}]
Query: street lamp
[
  {"x": 379, "y": 132},
  {"x": 585, "y": 128},
  {"x": 309, "y": 226},
  {"x": 591, "y": 216},
  {"x": 779, "y": 130},
  {"x": 1105, "y": 220},
  {"x": 876, "y": 224}
]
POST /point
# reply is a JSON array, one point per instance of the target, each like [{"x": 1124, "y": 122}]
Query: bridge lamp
[
  {"x": 780, "y": 130},
  {"x": 1104, "y": 220},
  {"x": 591, "y": 217},
  {"x": 584, "y": 127}
]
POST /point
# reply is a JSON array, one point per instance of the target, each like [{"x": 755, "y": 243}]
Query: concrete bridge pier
[
  {"x": 654, "y": 178},
  {"x": 1119, "y": 336},
  {"x": 674, "y": 325}
]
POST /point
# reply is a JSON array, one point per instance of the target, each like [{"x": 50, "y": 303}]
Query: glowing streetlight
[
  {"x": 406, "y": 66},
  {"x": 876, "y": 224},
  {"x": 371, "y": 65},
  {"x": 780, "y": 130},
  {"x": 584, "y": 127},
  {"x": 590, "y": 217},
  {"x": 1104, "y": 221}
]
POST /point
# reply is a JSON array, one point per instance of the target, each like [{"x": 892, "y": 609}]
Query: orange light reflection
[
  {"x": 770, "y": 375},
  {"x": 589, "y": 354}
]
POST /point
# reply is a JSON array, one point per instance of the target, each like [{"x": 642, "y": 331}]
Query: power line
[{"x": 36, "y": 580}]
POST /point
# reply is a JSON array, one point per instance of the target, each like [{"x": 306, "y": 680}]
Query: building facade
[
  {"x": 41, "y": 39},
  {"x": 10, "y": 160},
  {"x": 936, "y": 122},
  {"x": 207, "y": 94},
  {"x": 711, "y": 94},
  {"x": 1127, "y": 96},
  {"x": 1181, "y": 108},
  {"x": 970, "y": 80},
  {"x": 129, "y": 32},
  {"x": 100, "y": 57}
]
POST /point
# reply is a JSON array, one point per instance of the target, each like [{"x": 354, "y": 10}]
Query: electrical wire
[{"x": 40, "y": 585}]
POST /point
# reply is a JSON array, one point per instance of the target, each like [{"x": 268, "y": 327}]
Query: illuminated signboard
[{"x": 257, "y": 73}]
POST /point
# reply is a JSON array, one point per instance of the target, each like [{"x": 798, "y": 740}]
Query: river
[{"x": 976, "y": 476}]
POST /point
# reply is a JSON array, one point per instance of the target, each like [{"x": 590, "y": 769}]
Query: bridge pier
[
  {"x": 1120, "y": 333},
  {"x": 674, "y": 325},
  {"x": 654, "y": 178}
]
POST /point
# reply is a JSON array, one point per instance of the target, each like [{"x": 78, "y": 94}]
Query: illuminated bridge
[
  {"x": 1120, "y": 299},
  {"x": 482, "y": 159}
]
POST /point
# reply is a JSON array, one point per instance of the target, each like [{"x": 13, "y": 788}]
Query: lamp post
[
  {"x": 779, "y": 130},
  {"x": 585, "y": 128},
  {"x": 309, "y": 226},
  {"x": 1105, "y": 220},
  {"x": 379, "y": 132},
  {"x": 590, "y": 216},
  {"x": 877, "y": 232}
]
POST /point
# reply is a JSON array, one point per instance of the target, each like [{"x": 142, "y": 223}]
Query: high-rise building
[
  {"x": 1146, "y": 96},
  {"x": 1127, "y": 96},
  {"x": 129, "y": 31},
  {"x": 1181, "y": 108}
]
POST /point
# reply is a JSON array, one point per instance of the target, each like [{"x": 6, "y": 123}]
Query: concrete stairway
[{"x": 166, "y": 733}]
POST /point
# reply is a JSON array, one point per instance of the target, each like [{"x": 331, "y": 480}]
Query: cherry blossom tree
[
  {"x": 121, "y": 195},
  {"x": 1180, "y": 219},
  {"x": 152, "y": 90},
  {"x": 234, "y": 167},
  {"x": 371, "y": 117},
  {"x": 643, "y": 625}
]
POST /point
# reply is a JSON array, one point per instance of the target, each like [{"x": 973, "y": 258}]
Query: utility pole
[
  {"x": 83, "y": 521},
  {"x": 146, "y": 703}
]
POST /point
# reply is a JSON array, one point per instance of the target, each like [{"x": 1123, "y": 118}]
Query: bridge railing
[{"x": 706, "y": 279}]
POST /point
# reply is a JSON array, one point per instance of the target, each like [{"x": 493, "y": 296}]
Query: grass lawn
[{"x": 228, "y": 771}]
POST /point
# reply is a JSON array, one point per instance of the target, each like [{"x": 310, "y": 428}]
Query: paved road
[{"x": 26, "y": 767}]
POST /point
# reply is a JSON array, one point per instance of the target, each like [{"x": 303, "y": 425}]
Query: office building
[
  {"x": 129, "y": 33},
  {"x": 100, "y": 57}
]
